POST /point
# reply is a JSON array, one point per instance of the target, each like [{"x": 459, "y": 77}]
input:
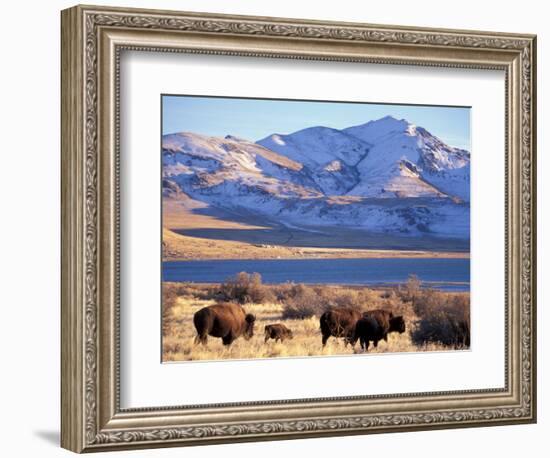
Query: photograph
[{"x": 296, "y": 228}]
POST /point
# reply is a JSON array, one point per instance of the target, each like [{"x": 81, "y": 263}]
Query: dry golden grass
[
  {"x": 184, "y": 247},
  {"x": 183, "y": 300},
  {"x": 180, "y": 214}
]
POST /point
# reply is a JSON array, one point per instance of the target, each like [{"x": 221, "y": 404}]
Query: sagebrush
[{"x": 435, "y": 320}]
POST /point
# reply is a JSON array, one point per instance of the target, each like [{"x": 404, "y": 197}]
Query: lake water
[{"x": 446, "y": 274}]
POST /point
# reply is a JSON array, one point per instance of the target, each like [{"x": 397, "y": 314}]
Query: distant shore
[
  {"x": 216, "y": 234},
  {"x": 177, "y": 247}
]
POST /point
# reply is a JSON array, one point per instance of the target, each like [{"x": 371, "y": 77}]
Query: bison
[
  {"x": 339, "y": 323},
  {"x": 375, "y": 325},
  {"x": 277, "y": 332},
  {"x": 227, "y": 321}
]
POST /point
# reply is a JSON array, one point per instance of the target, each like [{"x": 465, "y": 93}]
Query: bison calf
[
  {"x": 227, "y": 321},
  {"x": 277, "y": 332},
  {"x": 376, "y": 325}
]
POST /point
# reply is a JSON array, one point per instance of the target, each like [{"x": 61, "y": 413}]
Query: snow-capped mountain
[
  {"x": 386, "y": 175},
  {"x": 317, "y": 146},
  {"x": 408, "y": 161}
]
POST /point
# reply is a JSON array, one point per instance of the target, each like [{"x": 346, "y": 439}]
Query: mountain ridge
[{"x": 385, "y": 175}]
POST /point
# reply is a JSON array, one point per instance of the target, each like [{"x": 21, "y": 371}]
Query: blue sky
[{"x": 255, "y": 119}]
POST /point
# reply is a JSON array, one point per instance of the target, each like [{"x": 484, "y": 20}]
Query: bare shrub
[
  {"x": 393, "y": 302},
  {"x": 169, "y": 298},
  {"x": 332, "y": 297},
  {"x": 444, "y": 319},
  {"x": 246, "y": 288},
  {"x": 374, "y": 299},
  {"x": 428, "y": 301},
  {"x": 350, "y": 299},
  {"x": 302, "y": 302},
  {"x": 410, "y": 290},
  {"x": 283, "y": 291},
  {"x": 185, "y": 289},
  {"x": 172, "y": 291}
]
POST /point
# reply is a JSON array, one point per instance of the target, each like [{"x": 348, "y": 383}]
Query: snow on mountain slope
[
  {"x": 407, "y": 161},
  {"x": 329, "y": 156},
  {"x": 375, "y": 131},
  {"x": 415, "y": 217},
  {"x": 335, "y": 178},
  {"x": 385, "y": 176},
  {"x": 453, "y": 182},
  {"x": 434, "y": 154},
  {"x": 317, "y": 146},
  {"x": 438, "y": 156},
  {"x": 227, "y": 167},
  {"x": 220, "y": 150}
]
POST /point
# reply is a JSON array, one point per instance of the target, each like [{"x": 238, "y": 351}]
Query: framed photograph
[{"x": 279, "y": 228}]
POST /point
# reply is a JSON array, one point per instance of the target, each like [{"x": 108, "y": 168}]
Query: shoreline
[
  {"x": 383, "y": 286},
  {"x": 324, "y": 253},
  {"x": 345, "y": 244}
]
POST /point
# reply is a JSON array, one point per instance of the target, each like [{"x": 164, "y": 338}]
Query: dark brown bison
[
  {"x": 277, "y": 332},
  {"x": 227, "y": 321},
  {"x": 375, "y": 325},
  {"x": 339, "y": 322}
]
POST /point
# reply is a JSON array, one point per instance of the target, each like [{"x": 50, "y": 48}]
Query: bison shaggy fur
[
  {"x": 375, "y": 325},
  {"x": 227, "y": 321},
  {"x": 277, "y": 332},
  {"x": 339, "y": 323}
]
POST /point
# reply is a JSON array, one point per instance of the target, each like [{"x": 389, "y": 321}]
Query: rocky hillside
[{"x": 384, "y": 176}]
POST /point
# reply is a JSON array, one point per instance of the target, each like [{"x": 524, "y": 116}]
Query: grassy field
[{"x": 434, "y": 319}]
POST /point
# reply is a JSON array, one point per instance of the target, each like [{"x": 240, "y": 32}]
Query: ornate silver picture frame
[{"x": 93, "y": 39}]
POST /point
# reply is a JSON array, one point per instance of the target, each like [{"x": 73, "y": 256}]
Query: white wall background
[{"x": 30, "y": 213}]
